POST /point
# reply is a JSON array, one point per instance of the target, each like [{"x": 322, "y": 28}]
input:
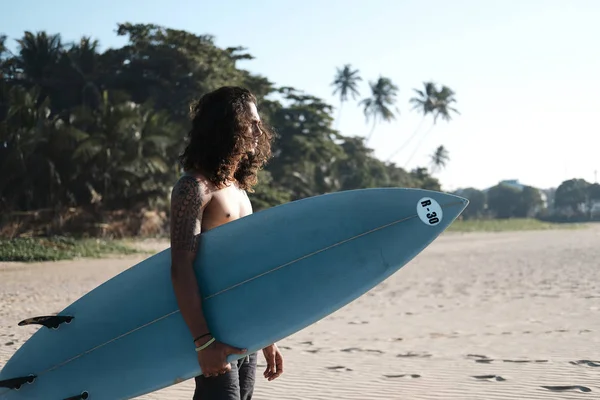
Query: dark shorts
[{"x": 237, "y": 384}]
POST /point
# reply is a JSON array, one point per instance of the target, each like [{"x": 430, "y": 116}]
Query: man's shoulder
[{"x": 193, "y": 185}]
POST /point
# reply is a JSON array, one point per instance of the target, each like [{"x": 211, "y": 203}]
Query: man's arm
[{"x": 188, "y": 201}]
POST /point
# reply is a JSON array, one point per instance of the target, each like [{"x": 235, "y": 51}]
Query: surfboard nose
[
  {"x": 435, "y": 208},
  {"x": 455, "y": 201},
  {"x": 455, "y": 205}
]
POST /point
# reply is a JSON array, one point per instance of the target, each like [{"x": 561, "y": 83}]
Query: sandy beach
[{"x": 512, "y": 315}]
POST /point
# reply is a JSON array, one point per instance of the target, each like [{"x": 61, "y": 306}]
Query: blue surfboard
[{"x": 263, "y": 277}]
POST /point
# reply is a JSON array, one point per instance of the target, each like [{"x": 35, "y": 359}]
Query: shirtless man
[{"x": 227, "y": 146}]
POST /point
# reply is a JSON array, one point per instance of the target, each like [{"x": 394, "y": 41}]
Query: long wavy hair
[{"x": 221, "y": 140}]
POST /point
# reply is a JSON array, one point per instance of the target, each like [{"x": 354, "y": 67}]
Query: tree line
[
  {"x": 574, "y": 200},
  {"x": 102, "y": 130}
]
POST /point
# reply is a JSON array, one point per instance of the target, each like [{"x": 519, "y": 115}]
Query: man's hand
[
  {"x": 213, "y": 359},
  {"x": 274, "y": 362}
]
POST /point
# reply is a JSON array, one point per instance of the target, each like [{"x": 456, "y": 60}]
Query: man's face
[{"x": 255, "y": 127}]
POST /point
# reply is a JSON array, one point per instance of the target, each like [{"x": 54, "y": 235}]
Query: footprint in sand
[
  {"x": 575, "y": 388},
  {"x": 355, "y": 349},
  {"x": 525, "y": 361},
  {"x": 412, "y": 354},
  {"x": 586, "y": 362},
  {"x": 310, "y": 343},
  {"x": 9, "y": 343},
  {"x": 490, "y": 378},
  {"x": 480, "y": 359},
  {"x": 414, "y": 376},
  {"x": 358, "y": 322},
  {"x": 339, "y": 368},
  {"x": 436, "y": 335}
]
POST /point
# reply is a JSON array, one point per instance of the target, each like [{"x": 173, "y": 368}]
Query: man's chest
[{"x": 226, "y": 205}]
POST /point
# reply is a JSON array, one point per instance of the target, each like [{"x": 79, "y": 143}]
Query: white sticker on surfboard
[{"x": 429, "y": 211}]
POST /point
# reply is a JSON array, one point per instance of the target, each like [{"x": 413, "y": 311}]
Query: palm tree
[
  {"x": 84, "y": 61},
  {"x": 383, "y": 96},
  {"x": 38, "y": 57},
  {"x": 435, "y": 102},
  {"x": 31, "y": 148},
  {"x": 444, "y": 98},
  {"x": 439, "y": 159},
  {"x": 424, "y": 102},
  {"x": 3, "y": 53},
  {"x": 345, "y": 84}
]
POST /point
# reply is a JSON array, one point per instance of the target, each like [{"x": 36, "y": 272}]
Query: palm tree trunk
[
  {"x": 408, "y": 140},
  {"x": 418, "y": 145},
  {"x": 372, "y": 130},
  {"x": 337, "y": 125}
]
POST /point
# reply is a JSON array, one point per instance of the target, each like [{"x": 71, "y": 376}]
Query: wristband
[
  {"x": 205, "y": 345},
  {"x": 201, "y": 336}
]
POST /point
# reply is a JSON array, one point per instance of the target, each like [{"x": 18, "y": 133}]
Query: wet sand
[{"x": 512, "y": 315}]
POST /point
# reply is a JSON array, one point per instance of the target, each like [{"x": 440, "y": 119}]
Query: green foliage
[
  {"x": 102, "y": 130},
  {"x": 530, "y": 200},
  {"x": 576, "y": 200},
  {"x": 508, "y": 202},
  {"x": 58, "y": 248},
  {"x": 439, "y": 158},
  {"x": 477, "y": 203},
  {"x": 573, "y": 194}
]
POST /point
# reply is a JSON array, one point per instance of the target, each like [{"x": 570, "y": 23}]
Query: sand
[{"x": 511, "y": 315}]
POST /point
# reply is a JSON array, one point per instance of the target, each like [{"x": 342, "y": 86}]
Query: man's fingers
[
  {"x": 270, "y": 367},
  {"x": 270, "y": 359},
  {"x": 234, "y": 350},
  {"x": 277, "y": 369},
  {"x": 217, "y": 371}
]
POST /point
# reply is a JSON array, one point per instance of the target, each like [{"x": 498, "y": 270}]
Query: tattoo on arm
[{"x": 186, "y": 217}]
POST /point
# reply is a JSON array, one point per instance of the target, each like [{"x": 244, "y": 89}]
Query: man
[{"x": 227, "y": 146}]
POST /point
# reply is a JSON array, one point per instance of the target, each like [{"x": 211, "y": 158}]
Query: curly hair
[{"x": 221, "y": 143}]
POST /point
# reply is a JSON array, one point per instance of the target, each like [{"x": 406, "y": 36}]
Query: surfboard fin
[
  {"x": 82, "y": 396},
  {"x": 16, "y": 383},
  {"x": 49, "y": 321}
]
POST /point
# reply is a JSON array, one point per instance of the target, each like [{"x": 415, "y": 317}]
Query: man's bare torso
[{"x": 222, "y": 205}]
